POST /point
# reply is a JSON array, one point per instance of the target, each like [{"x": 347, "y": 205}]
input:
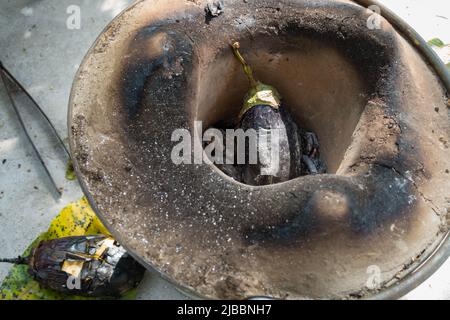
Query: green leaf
[
  {"x": 436, "y": 42},
  {"x": 70, "y": 172}
]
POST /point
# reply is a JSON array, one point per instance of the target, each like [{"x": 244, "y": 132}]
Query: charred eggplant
[
  {"x": 297, "y": 151},
  {"x": 92, "y": 266}
]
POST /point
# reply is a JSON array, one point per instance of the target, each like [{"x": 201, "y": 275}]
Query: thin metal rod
[
  {"x": 4, "y": 74},
  {"x": 3, "y": 68}
]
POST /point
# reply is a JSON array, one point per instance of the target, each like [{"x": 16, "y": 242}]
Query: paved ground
[{"x": 44, "y": 54}]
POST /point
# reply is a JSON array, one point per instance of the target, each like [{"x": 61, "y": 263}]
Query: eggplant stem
[
  {"x": 18, "y": 260},
  {"x": 247, "y": 69}
]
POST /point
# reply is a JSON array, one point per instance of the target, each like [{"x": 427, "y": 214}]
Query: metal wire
[{"x": 5, "y": 74}]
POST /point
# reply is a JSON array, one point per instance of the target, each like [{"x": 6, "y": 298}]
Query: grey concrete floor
[{"x": 43, "y": 53}]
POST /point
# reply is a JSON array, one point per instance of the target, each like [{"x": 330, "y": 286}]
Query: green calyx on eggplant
[{"x": 259, "y": 93}]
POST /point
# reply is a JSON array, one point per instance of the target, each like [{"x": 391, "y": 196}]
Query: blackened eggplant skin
[
  {"x": 111, "y": 274},
  {"x": 90, "y": 266},
  {"x": 264, "y": 118},
  {"x": 297, "y": 144}
]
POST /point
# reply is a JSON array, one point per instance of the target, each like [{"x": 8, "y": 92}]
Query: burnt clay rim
[
  {"x": 429, "y": 265},
  {"x": 150, "y": 267},
  {"x": 435, "y": 259}
]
